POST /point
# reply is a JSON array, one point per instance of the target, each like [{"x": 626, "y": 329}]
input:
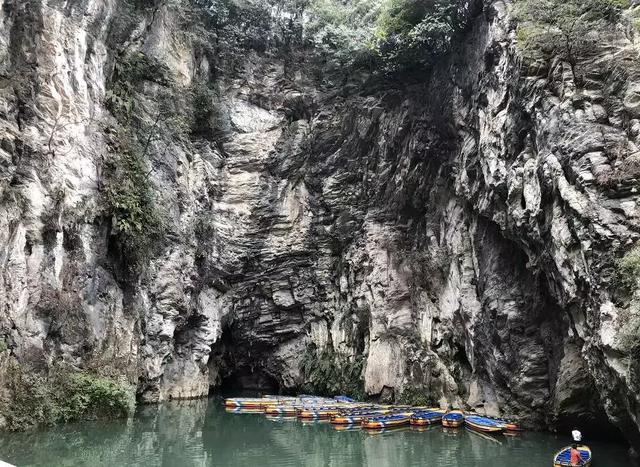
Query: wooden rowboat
[
  {"x": 250, "y": 403},
  {"x": 483, "y": 424},
  {"x": 385, "y": 421},
  {"x": 318, "y": 413},
  {"x": 508, "y": 425},
  {"x": 563, "y": 457},
  {"x": 426, "y": 418},
  {"x": 453, "y": 419},
  {"x": 355, "y": 418},
  {"x": 281, "y": 410},
  {"x": 243, "y": 410}
]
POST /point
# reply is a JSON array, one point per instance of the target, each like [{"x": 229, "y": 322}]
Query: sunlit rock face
[{"x": 453, "y": 230}]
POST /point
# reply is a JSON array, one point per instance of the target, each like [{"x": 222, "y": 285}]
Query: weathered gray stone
[{"x": 459, "y": 233}]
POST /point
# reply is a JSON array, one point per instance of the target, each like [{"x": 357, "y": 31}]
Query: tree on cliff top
[
  {"x": 411, "y": 33},
  {"x": 398, "y": 35},
  {"x": 568, "y": 29}
]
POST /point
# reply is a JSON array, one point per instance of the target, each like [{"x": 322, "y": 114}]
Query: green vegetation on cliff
[
  {"x": 629, "y": 269},
  {"x": 629, "y": 280},
  {"x": 394, "y": 35},
  {"x": 63, "y": 396},
  {"x": 327, "y": 372},
  {"x": 129, "y": 72},
  {"x": 130, "y": 200},
  {"x": 415, "y": 396},
  {"x": 569, "y": 29},
  {"x": 412, "y": 33}
]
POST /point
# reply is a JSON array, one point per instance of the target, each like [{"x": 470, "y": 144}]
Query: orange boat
[
  {"x": 386, "y": 421},
  {"x": 281, "y": 410},
  {"x": 249, "y": 403},
  {"x": 318, "y": 413},
  {"x": 356, "y": 418},
  {"x": 426, "y": 418}
]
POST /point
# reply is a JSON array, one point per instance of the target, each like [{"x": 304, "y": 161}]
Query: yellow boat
[
  {"x": 248, "y": 402},
  {"x": 563, "y": 457}
]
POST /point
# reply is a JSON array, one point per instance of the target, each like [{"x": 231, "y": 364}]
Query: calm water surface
[{"x": 202, "y": 433}]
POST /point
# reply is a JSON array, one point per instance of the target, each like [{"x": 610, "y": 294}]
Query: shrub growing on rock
[
  {"x": 327, "y": 372},
  {"x": 568, "y": 29},
  {"x": 63, "y": 396},
  {"x": 415, "y": 396},
  {"x": 630, "y": 329},
  {"x": 395, "y": 35},
  {"x": 343, "y": 31},
  {"x": 629, "y": 280},
  {"x": 131, "y": 202},
  {"x": 629, "y": 269},
  {"x": 129, "y": 71},
  {"x": 412, "y": 33}
]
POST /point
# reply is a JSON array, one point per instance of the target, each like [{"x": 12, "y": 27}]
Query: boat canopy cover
[
  {"x": 386, "y": 418},
  {"x": 427, "y": 415}
]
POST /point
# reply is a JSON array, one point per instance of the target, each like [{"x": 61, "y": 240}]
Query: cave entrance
[
  {"x": 248, "y": 381},
  {"x": 241, "y": 367}
]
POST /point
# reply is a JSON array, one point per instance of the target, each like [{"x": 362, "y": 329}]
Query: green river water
[{"x": 201, "y": 433}]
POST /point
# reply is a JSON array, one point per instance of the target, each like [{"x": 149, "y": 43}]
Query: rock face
[{"x": 459, "y": 231}]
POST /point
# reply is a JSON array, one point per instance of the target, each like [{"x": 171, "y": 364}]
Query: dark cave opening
[
  {"x": 241, "y": 366},
  {"x": 246, "y": 380}
]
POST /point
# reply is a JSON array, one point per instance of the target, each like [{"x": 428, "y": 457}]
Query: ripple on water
[{"x": 201, "y": 433}]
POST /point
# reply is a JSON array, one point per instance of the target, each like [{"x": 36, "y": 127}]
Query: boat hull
[
  {"x": 315, "y": 414},
  {"x": 425, "y": 421},
  {"x": 250, "y": 403},
  {"x": 452, "y": 423},
  {"x": 453, "y": 419},
  {"x": 281, "y": 411},
  {"x": 373, "y": 424}
]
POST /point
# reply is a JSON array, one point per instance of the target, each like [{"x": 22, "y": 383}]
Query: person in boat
[{"x": 575, "y": 457}]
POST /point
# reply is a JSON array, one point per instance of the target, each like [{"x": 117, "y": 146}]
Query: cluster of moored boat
[{"x": 345, "y": 411}]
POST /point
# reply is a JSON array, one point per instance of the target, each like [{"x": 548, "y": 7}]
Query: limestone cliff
[{"x": 457, "y": 231}]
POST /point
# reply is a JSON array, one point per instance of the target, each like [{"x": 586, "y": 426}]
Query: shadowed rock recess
[{"x": 186, "y": 205}]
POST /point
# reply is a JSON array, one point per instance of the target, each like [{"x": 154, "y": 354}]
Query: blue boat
[
  {"x": 563, "y": 457},
  {"x": 453, "y": 419},
  {"x": 483, "y": 424}
]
